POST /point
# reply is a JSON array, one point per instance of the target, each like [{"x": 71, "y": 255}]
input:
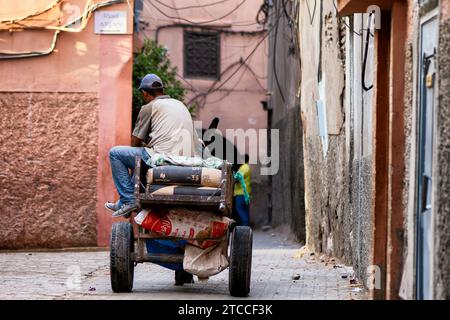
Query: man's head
[{"x": 151, "y": 87}]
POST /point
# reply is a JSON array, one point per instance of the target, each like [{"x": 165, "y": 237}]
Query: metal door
[{"x": 428, "y": 68}]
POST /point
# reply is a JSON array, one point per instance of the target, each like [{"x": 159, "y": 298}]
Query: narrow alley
[
  {"x": 284, "y": 149},
  {"x": 281, "y": 270}
]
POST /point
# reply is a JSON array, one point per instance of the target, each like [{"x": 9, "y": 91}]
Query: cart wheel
[
  {"x": 240, "y": 261},
  {"x": 120, "y": 254}
]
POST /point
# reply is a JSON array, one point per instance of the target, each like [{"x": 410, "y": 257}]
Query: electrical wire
[
  {"x": 274, "y": 61},
  {"x": 290, "y": 20},
  {"x": 244, "y": 61},
  {"x": 366, "y": 49},
  {"x": 311, "y": 15},
  {"x": 187, "y": 82},
  {"x": 12, "y": 21},
  {"x": 342, "y": 20},
  {"x": 7, "y": 55},
  {"x": 83, "y": 19},
  {"x": 248, "y": 57},
  {"x": 228, "y": 92},
  {"x": 247, "y": 66},
  {"x": 211, "y": 88},
  {"x": 193, "y": 22},
  {"x": 241, "y": 63},
  {"x": 193, "y": 6},
  {"x": 263, "y": 9}
]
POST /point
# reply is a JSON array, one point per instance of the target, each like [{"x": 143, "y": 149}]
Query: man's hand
[{"x": 136, "y": 142}]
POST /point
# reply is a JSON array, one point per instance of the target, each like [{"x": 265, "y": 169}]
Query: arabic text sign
[{"x": 112, "y": 22}]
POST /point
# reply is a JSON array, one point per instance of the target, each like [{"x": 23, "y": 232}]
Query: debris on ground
[
  {"x": 92, "y": 289},
  {"x": 266, "y": 228},
  {"x": 296, "y": 276}
]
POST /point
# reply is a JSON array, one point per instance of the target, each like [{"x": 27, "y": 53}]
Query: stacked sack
[
  {"x": 197, "y": 227},
  {"x": 179, "y": 180},
  {"x": 205, "y": 252}
]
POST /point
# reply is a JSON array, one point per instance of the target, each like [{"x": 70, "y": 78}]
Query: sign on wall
[{"x": 110, "y": 22}]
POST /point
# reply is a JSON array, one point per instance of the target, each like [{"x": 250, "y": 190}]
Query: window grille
[{"x": 202, "y": 55}]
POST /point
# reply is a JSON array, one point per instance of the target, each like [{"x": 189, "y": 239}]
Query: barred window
[{"x": 202, "y": 55}]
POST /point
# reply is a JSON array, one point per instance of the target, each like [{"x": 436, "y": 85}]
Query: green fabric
[
  {"x": 238, "y": 176},
  {"x": 244, "y": 169}
]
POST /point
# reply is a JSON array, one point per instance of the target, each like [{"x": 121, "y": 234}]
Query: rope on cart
[{"x": 218, "y": 189}]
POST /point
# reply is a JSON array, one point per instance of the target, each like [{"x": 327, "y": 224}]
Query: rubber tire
[
  {"x": 240, "y": 261},
  {"x": 120, "y": 254}
]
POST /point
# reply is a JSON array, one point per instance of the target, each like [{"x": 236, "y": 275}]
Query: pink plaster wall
[
  {"x": 82, "y": 65},
  {"x": 445, "y": 7},
  {"x": 240, "y": 108}
]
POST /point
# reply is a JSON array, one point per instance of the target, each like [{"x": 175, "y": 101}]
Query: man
[{"x": 164, "y": 125}]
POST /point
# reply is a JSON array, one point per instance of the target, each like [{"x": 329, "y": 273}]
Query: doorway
[{"x": 429, "y": 31}]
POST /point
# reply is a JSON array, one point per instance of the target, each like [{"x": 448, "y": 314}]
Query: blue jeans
[
  {"x": 122, "y": 159},
  {"x": 241, "y": 211}
]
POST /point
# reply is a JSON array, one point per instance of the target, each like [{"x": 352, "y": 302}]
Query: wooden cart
[{"x": 127, "y": 250}]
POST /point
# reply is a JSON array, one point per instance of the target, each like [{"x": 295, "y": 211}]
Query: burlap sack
[{"x": 205, "y": 263}]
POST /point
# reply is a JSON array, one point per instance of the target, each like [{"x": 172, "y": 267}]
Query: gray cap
[{"x": 151, "y": 81}]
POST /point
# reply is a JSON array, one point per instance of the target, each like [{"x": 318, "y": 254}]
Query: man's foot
[
  {"x": 125, "y": 210},
  {"x": 182, "y": 277},
  {"x": 112, "y": 206}
]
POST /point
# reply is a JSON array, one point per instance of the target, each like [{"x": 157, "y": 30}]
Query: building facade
[
  {"x": 287, "y": 206},
  {"x": 374, "y": 112},
  {"x": 65, "y": 99}
]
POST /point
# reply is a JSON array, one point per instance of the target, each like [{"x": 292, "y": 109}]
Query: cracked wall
[
  {"x": 442, "y": 194},
  {"x": 338, "y": 166}
]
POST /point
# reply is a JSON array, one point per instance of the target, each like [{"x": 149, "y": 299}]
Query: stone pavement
[{"x": 277, "y": 263}]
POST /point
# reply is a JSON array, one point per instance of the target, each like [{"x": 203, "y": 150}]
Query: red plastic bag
[{"x": 185, "y": 224}]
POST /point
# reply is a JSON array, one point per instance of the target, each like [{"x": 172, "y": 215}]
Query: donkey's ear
[{"x": 214, "y": 123}]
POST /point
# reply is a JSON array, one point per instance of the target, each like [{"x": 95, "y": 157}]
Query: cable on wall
[
  {"x": 366, "y": 49},
  {"x": 193, "y": 22},
  {"x": 82, "y": 19},
  {"x": 191, "y": 7}
]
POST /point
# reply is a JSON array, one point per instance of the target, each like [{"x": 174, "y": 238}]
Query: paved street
[{"x": 277, "y": 262}]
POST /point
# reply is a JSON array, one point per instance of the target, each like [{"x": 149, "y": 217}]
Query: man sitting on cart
[
  {"x": 161, "y": 127},
  {"x": 164, "y": 125}
]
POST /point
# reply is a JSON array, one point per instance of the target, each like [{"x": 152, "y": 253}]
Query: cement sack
[
  {"x": 179, "y": 175},
  {"x": 158, "y": 189},
  {"x": 197, "y": 227}
]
